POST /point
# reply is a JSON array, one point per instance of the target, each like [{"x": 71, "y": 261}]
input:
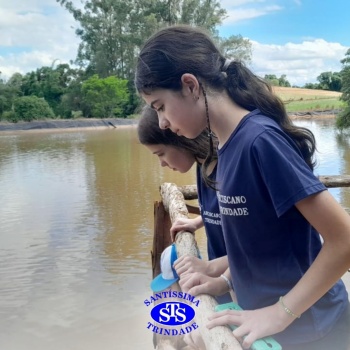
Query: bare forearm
[
  {"x": 218, "y": 266},
  {"x": 333, "y": 223},
  {"x": 198, "y": 222},
  {"x": 321, "y": 276}
]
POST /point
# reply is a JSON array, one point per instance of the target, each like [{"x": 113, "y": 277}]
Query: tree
[
  {"x": 50, "y": 83},
  {"x": 330, "y": 81},
  {"x": 105, "y": 97},
  {"x": 282, "y": 81},
  {"x": 15, "y": 82},
  {"x": 204, "y": 13},
  {"x": 343, "y": 120},
  {"x": 345, "y": 76},
  {"x": 29, "y": 108},
  {"x": 336, "y": 83},
  {"x": 313, "y": 86},
  {"x": 112, "y": 31},
  {"x": 235, "y": 47},
  {"x": 272, "y": 79},
  {"x": 72, "y": 100},
  {"x": 9, "y": 91}
]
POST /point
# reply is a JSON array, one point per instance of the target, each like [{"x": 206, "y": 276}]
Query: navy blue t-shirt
[
  {"x": 261, "y": 175},
  {"x": 209, "y": 208}
]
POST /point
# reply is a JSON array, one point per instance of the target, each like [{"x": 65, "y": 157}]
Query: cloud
[
  {"x": 236, "y": 15},
  {"x": 301, "y": 63},
  {"x": 34, "y": 34},
  {"x": 240, "y": 10},
  {"x": 26, "y": 61}
]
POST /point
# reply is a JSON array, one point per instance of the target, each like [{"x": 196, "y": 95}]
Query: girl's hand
[
  {"x": 198, "y": 283},
  {"x": 190, "y": 264},
  {"x": 253, "y": 324},
  {"x": 188, "y": 225}
]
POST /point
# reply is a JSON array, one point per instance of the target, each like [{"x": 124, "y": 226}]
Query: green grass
[{"x": 313, "y": 105}]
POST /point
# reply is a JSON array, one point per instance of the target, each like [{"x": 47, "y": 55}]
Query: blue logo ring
[{"x": 172, "y": 313}]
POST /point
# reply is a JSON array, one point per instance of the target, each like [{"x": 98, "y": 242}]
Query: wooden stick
[
  {"x": 189, "y": 191},
  {"x": 220, "y": 337},
  {"x": 331, "y": 181}
]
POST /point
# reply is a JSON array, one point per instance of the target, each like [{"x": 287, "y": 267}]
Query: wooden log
[
  {"x": 189, "y": 191},
  {"x": 166, "y": 344},
  {"x": 161, "y": 239},
  {"x": 163, "y": 342},
  {"x": 333, "y": 181},
  {"x": 220, "y": 337},
  {"x": 193, "y": 209},
  {"x": 161, "y": 235}
]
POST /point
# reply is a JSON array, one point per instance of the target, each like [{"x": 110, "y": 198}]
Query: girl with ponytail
[{"x": 274, "y": 210}]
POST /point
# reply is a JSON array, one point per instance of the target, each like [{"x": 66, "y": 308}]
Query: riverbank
[
  {"x": 114, "y": 123},
  {"x": 81, "y": 123},
  {"x": 322, "y": 114}
]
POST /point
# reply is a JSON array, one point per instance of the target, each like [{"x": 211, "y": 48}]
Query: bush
[
  {"x": 29, "y": 108},
  {"x": 10, "y": 116},
  {"x": 77, "y": 114},
  {"x": 343, "y": 119},
  {"x": 105, "y": 97}
]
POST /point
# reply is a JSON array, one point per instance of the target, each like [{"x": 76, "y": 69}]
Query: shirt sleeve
[{"x": 287, "y": 176}]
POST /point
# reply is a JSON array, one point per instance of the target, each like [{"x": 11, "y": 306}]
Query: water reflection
[
  {"x": 76, "y": 234},
  {"x": 329, "y": 160},
  {"x": 343, "y": 142}
]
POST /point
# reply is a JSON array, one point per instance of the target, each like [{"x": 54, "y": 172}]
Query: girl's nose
[
  {"x": 163, "y": 163},
  {"x": 163, "y": 123}
]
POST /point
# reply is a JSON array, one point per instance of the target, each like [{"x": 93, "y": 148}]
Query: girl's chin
[{"x": 192, "y": 136}]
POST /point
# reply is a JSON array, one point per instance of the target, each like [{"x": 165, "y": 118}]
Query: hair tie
[{"x": 226, "y": 64}]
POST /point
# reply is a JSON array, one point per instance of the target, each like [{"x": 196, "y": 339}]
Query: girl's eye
[{"x": 159, "y": 109}]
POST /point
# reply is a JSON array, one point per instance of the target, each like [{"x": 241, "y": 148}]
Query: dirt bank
[
  {"x": 67, "y": 124},
  {"x": 315, "y": 114},
  {"x": 117, "y": 122}
]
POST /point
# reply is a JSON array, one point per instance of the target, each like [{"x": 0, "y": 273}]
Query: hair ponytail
[{"x": 252, "y": 92}]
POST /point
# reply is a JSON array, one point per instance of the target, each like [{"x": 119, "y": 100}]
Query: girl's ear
[{"x": 190, "y": 85}]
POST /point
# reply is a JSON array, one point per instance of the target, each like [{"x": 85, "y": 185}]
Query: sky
[{"x": 298, "y": 38}]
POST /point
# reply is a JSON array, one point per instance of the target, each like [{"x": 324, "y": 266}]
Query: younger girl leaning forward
[
  {"x": 273, "y": 208},
  {"x": 179, "y": 153}
]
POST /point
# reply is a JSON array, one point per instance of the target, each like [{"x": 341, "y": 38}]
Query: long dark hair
[
  {"x": 176, "y": 50},
  {"x": 150, "y": 133}
]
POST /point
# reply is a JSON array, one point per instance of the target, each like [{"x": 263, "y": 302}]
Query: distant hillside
[
  {"x": 304, "y": 100},
  {"x": 294, "y": 93}
]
